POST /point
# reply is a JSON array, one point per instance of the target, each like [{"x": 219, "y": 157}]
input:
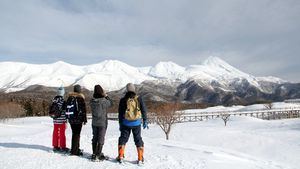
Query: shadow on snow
[{"x": 26, "y": 146}]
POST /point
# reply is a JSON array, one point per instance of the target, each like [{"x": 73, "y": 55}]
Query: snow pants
[
  {"x": 59, "y": 137},
  {"x": 76, "y": 130},
  {"x": 98, "y": 134},
  {"x": 125, "y": 133}
]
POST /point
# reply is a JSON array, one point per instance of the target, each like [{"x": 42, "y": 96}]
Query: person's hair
[
  {"x": 129, "y": 95},
  {"x": 98, "y": 91}
]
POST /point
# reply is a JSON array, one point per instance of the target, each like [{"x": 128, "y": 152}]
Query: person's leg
[
  {"x": 62, "y": 135},
  {"x": 101, "y": 139},
  {"x": 125, "y": 133},
  {"x": 136, "y": 131},
  {"x": 73, "y": 139},
  {"x": 77, "y": 132},
  {"x": 95, "y": 140},
  {"x": 55, "y": 136}
]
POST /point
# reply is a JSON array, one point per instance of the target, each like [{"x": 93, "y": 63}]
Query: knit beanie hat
[
  {"x": 77, "y": 88},
  {"x": 130, "y": 87},
  {"x": 61, "y": 91}
]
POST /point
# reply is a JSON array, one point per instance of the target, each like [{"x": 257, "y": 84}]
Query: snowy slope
[
  {"x": 168, "y": 70},
  {"x": 239, "y": 108},
  {"x": 245, "y": 143},
  {"x": 111, "y": 74},
  {"x": 114, "y": 75}
]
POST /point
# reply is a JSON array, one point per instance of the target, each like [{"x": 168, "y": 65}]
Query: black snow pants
[
  {"x": 76, "y": 130},
  {"x": 125, "y": 133}
]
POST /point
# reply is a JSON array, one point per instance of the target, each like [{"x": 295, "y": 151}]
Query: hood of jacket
[
  {"x": 97, "y": 100},
  {"x": 75, "y": 94}
]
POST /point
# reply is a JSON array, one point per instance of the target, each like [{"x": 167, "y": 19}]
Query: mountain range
[{"x": 213, "y": 81}]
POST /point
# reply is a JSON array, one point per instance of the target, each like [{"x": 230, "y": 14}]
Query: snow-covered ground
[
  {"x": 246, "y": 143},
  {"x": 239, "y": 108}
]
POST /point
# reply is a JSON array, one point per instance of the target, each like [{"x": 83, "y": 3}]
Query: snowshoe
[
  {"x": 79, "y": 153},
  {"x": 102, "y": 157},
  {"x": 56, "y": 149},
  {"x": 64, "y": 150},
  {"x": 93, "y": 157},
  {"x": 140, "y": 163},
  {"x": 120, "y": 160}
]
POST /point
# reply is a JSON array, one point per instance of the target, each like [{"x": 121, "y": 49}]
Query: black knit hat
[{"x": 77, "y": 88}]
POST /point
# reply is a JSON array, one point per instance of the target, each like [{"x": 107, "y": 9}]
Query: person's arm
[
  {"x": 83, "y": 110},
  {"x": 109, "y": 102},
  {"x": 120, "y": 112},
  {"x": 143, "y": 108}
]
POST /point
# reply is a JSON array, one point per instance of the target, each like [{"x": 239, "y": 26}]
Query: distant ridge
[{"x": 114, "y": 75}]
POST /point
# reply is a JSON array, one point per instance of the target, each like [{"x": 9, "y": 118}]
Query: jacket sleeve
[
  {"x": 143, "y": 109},
  {"x": 83, "y": 109},
  {"x": 121, "y": 111},
  {"x": 109, "y": 102}
]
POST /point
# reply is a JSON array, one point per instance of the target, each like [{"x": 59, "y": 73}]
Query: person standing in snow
[
  {"x": 57, "y": 112},
  {"x": 99, "y": 105},
  {"x": 76, "y": 114},
  {"x": 132, "y": 113}
]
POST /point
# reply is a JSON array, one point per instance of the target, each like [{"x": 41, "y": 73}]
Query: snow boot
[
  {"x": 140, "y": 151},
  {"x": 121, "y": 150},
  {"x": 100, "y": 155},
  {"x": 75, "y": 146},
  {"x": 56, "y": 149},
  {"x": 94, "y": 155}
]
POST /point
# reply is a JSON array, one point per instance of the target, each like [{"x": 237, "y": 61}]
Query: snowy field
[
  {"x": 239, "y": 108},
  {"x": 246, "y": 143}
]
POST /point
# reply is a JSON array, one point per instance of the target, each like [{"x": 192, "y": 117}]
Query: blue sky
[{"x": 260, "y": 37}]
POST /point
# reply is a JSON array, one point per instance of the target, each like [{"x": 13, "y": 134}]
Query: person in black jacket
[
  {"x": 99, "y": 105},
  {"x": 128, "y": 125},
  {"x": 76, "y": 122}
]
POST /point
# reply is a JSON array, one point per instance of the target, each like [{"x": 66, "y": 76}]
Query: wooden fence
[{"x": 272, "y": 114}]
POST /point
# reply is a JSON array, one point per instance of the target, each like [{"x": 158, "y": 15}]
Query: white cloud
[{"x": 141, "y": 32}]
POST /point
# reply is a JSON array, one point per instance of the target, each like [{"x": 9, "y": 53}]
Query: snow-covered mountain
[
  {"x": 111, "y": 74},
  {"x": 114, "y": 75}
]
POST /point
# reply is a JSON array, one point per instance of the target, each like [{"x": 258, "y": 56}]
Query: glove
[{"x": 145, "y": 125}]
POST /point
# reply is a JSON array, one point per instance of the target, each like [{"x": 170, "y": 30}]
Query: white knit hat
[{"x": 61, "y": 91}]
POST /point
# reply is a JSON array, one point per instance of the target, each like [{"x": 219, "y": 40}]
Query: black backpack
[
  {"x": 56, "y": 107},
  {"x": 72, "y": 110}
]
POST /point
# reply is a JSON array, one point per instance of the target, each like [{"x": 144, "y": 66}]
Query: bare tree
[
  {"x": 225, "y": 118},
  {"x": 166, "y": 116},
  {"x": 11, "y": 110},
  {"x": 269, "y": 105}
]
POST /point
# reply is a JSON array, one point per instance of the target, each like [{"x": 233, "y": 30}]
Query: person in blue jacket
[{"x": 128, "y": 125}]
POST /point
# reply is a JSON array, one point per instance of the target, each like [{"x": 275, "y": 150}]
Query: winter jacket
[
  {"x": 99, "y": 110},
  {"x": 62, "y": 118},
  {"x": 123, "y": 107},
  {"x": 82, "y": 118}
]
